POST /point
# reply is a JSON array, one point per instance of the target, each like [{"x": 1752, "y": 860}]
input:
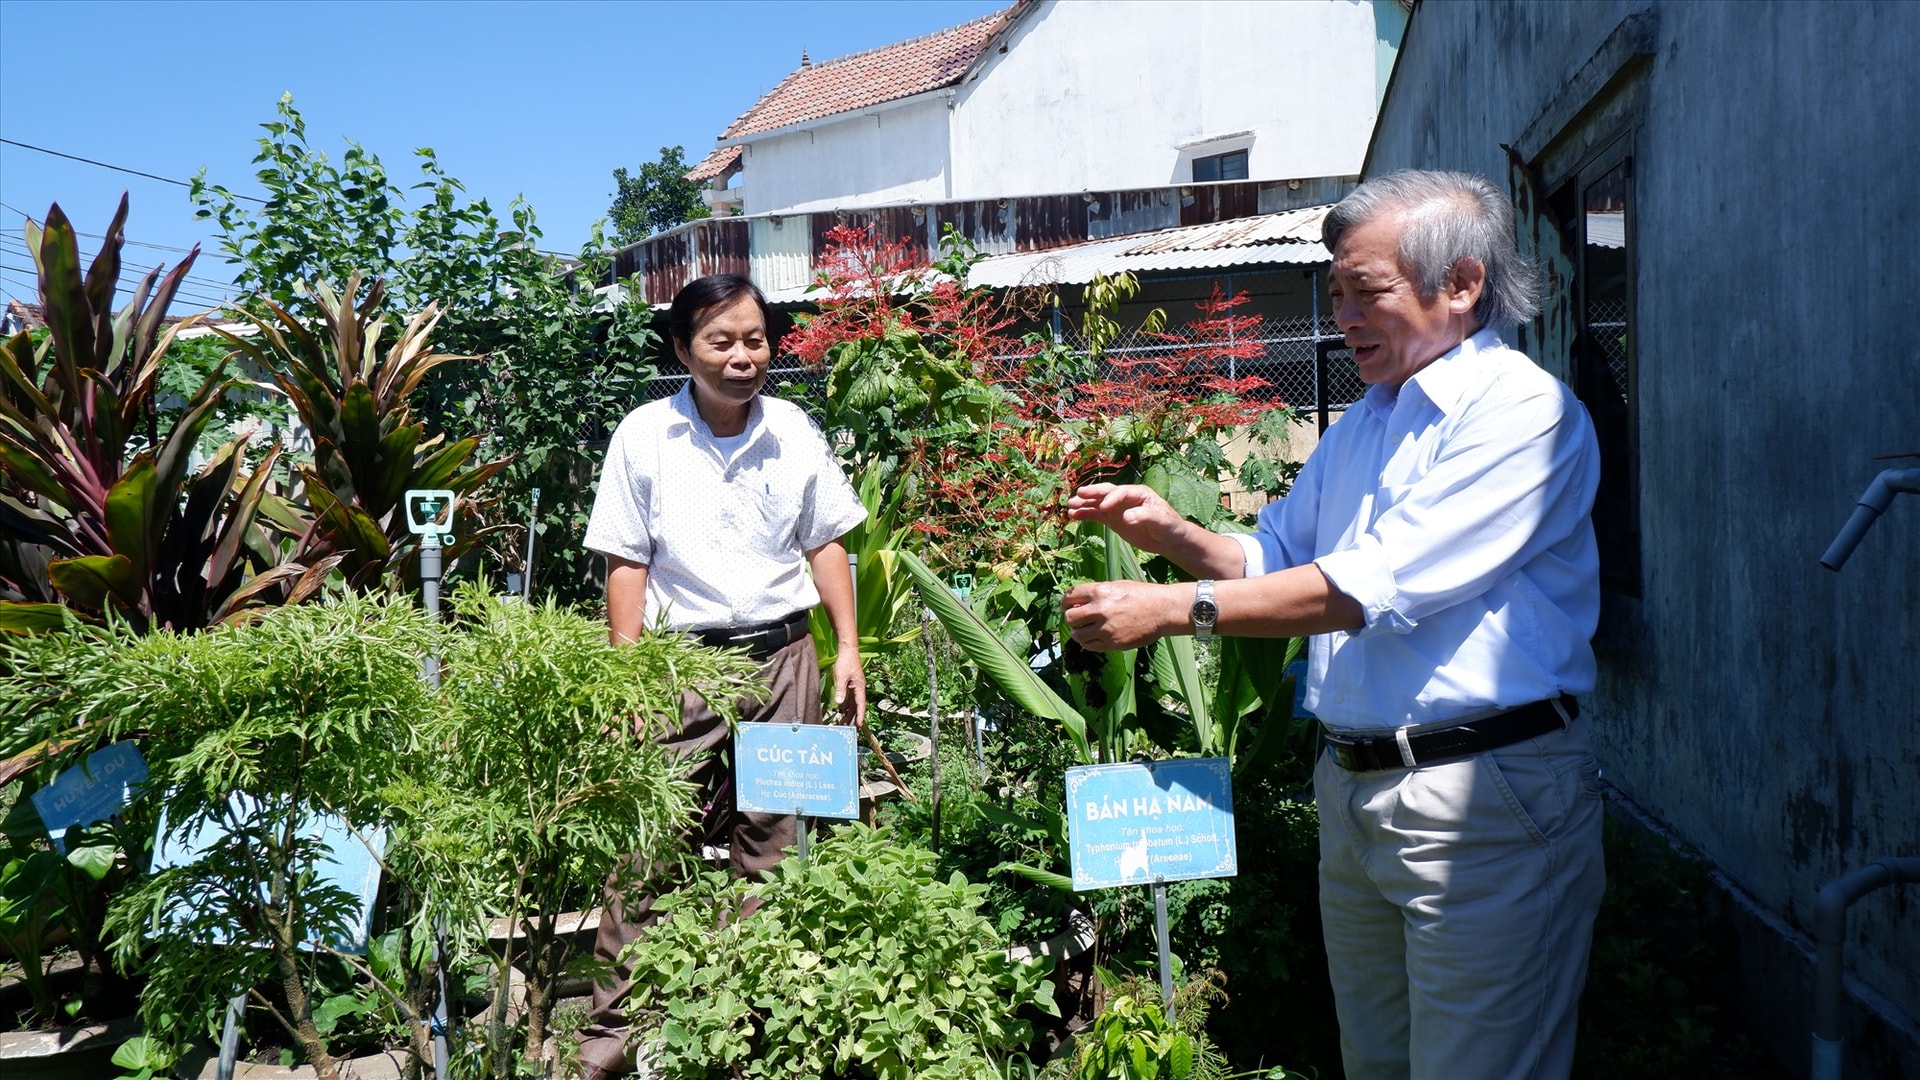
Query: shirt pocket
[{"x": 780, "y": 510}]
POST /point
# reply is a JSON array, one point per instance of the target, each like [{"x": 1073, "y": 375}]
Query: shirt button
[{"x": 1339, "y": 699}]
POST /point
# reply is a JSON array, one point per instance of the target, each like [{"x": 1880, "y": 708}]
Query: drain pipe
[
  {"x": 1879, "y": 496},
  {"x": 1830, "y": 933},
  {"x": 1830, "y": 908}
]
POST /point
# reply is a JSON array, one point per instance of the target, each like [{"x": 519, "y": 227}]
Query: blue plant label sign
[
  {"x": 91, "y": 791},
  {"x": 351, "y": 864},
  {"x": 1138, "y": 823},
  {"x": 794, "y": 768}
]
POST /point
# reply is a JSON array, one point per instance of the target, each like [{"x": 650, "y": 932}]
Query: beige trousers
[{"x": 1458, "y": 902}]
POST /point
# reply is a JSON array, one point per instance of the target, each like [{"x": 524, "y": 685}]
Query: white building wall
[
  {"x": 894, "y": 153},
  {"x": 1093, "y": 94},
  {"x": 1101, "y": 95}
]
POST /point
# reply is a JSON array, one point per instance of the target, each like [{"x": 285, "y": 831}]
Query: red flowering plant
[{"x": 1167, "y": 412}]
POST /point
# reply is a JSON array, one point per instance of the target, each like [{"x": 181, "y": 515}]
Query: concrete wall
[
  {"x": 892, "y": 154},
  {"x": 1096, "y": 95},
  {"x": 1765, "y": 709}
]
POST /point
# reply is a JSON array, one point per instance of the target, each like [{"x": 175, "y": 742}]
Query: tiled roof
[
  {"x": 888, "y": 73},
  {"x": 715, "y": 164}
]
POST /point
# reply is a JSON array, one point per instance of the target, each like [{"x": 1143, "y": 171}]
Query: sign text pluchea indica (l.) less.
[
  {"x": 1137, "y": 823},
  {"x": 793, "y": 768}
]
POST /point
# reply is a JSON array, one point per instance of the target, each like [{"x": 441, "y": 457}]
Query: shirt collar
[
  {"x": 1444, "y": 381},
  {"x": 702, "y": 434}
]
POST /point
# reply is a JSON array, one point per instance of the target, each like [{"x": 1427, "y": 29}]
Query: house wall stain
[{"x": 1765, "y": 709}]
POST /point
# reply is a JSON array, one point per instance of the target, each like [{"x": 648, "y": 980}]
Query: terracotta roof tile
[
  {"x": 888, "y": 73},
  {"x": 713, "y": 165}
]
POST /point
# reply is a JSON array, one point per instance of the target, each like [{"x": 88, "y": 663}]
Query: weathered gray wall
[{"x": 1764, "y": 708}]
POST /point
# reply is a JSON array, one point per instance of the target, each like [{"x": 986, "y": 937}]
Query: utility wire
[
  {"x": 128, "y": 270},
  {"x": 178, "y": 295},
  {"x": 130, "y": 278},
  {"x": 92, "y": 236},
  {"x": 115, "y": 168}
]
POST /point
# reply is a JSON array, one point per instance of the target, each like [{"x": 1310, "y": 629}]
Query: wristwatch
[{"x": 1204, "y": 612}]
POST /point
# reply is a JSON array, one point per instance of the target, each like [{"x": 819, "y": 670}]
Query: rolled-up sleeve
[
  {"x": 1515, "y": 477},
  {"x": 619, "y": 525}
]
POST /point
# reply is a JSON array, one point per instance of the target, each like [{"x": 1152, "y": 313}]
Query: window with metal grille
[
  {"x": 1596, "y": 212},
  {"x": 1231, "y": 166}
]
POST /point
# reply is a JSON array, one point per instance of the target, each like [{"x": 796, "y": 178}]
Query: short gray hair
[{"x": 1450, "y": 216}]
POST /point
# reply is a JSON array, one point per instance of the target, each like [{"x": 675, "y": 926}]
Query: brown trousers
[{"x": 705, "y": 743}]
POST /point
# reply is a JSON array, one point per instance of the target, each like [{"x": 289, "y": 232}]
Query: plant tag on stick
[
  {"x": 1138, "y": 823},
  {"x": 794, "y": 768},
  {"x": 91, "y": 791}
]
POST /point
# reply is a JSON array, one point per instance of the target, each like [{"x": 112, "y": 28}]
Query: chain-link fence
[{"x": 1314, "y": 372}]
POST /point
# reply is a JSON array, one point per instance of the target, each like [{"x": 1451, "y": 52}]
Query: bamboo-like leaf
[{"x": 1010, "y": 673}]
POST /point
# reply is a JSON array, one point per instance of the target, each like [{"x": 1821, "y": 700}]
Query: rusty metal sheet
[
  {"x": 986, "y": 222},
  {"x": 1202, "y": 203},
  {"x": 1048, "y": 221},
  {"x": 1121, "y": 213}
]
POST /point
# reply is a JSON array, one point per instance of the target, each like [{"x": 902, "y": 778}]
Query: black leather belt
[
  {"x": 1372, "y": 753},
  {"x": 760, "y": 641}
]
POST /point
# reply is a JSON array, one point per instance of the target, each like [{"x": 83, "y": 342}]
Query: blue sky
[{"x": 541, "y": 100}]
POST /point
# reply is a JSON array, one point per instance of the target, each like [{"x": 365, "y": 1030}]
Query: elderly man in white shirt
[
  {"x": 1437, "y": 546},
  {"x": 721, "y": 514}
]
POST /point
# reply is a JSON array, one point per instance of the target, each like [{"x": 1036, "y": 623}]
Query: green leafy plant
[
  {"x": 546, "y": 778},
  {"x": 656, "y": 196},
  {"x": 369, "y": 449},
  {"x": 87, "y": 519},
  {"x": 556, "y": 364},
  {"x": 261, "y": 728},
  {"x": 144, "y": 1058},
  {"x": 856, "y": 963},
  {"x": 1133, "y": 1040}
]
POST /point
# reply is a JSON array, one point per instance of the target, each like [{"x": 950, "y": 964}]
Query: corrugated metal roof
[{"x": 1290, "y": 238}]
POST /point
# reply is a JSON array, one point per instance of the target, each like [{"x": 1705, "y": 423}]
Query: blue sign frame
[
  {"x": 1139, "y": 823},
  {"x": 97, "y": 788},
  {"x": 352, "y": 864},
  {"x": 795, "y": 768}
]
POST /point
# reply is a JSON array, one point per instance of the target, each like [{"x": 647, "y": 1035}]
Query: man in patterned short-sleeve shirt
[{"x": 713, "y": 507}]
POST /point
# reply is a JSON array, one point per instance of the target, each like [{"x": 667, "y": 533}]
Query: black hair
[{"x": 705, "y": 293}]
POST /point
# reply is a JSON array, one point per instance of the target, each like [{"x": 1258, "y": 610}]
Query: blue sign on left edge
[
  {"x": 91, "y": 791},
  {"x": 793, "y": 768},
  {"x": 1135, "y": 824}
]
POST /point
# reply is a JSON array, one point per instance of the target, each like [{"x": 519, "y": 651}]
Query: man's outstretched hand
[
  {"x": 1134, "y": 511},
  {"x": 1110, "y": 615}
]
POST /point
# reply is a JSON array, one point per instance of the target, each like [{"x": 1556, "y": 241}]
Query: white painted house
[{"x": 1059, "y": 96}]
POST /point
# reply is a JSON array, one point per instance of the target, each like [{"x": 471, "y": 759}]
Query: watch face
[{"x": 1205, "y": 613}]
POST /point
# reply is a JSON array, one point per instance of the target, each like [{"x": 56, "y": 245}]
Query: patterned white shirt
[
  {"x": 1456, "y": 512},
  {"x": 723, "y": 525}
]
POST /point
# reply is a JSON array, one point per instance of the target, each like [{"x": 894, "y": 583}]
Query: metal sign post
[
  {"x": 430, "y": 517},
  {"x": 1148, "y": 823}
]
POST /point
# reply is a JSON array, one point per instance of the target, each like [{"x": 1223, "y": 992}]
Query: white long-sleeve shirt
[{"x": 1456, "y": 512}]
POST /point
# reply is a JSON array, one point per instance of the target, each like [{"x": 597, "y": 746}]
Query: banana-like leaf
[
  {"x": 131, "y": 524},
  {"x": 1053, "y": 879},
  {"x": 1009, "y": 672},
  {"x": 32, "y": 619},
  {"x": 98, "y": 581}
]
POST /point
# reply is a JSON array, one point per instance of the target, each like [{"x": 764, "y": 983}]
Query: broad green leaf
[
  {"x": 91, "y": 580},
  {"x": 1010, "y": 673}
]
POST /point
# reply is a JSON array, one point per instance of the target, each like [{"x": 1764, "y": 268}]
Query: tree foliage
[
  {"x": 557, "y": 364},
  {"x": 657, "y": 196}
]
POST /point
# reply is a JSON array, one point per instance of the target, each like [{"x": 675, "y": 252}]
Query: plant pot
[
  {"x": 389, "y": 1065},
  {"x": 81, "y": 1052}
]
